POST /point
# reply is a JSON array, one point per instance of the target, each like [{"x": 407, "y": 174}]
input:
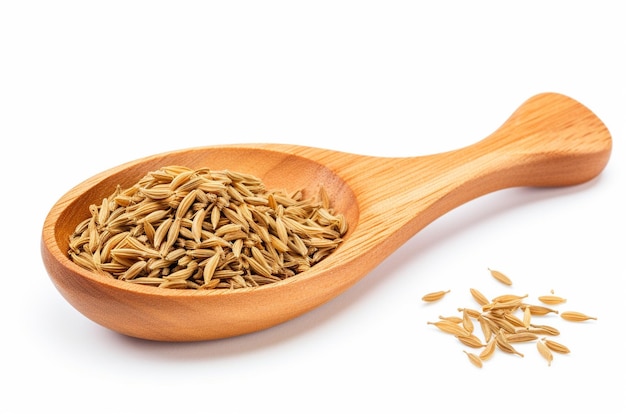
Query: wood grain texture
[{"x": 550, "y": 140}]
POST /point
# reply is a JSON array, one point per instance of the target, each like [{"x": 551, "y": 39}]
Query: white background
[{"x": 85, "y": 86}]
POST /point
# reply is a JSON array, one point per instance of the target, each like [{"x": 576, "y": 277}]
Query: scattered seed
[
  {"x": 543, "y": 329},
  {"x": 521, "y": 337},
  {"x": 486, "y": 329},
  {"x": 501, "y": 277},
  {"x": 513, "y": 319},
  {"x": 544, "y": 351},
  {"x": 540, "y": 310},
  {"x": 488, "y": 350},
  {"x": 449, "y": 327},
  {"x": 434, "y": 296},
  {"x": 576, "y": 316},
  {"x": 509, "y": 298},
  {"x": 453, "y": 319},
  {"x": 551, "y": 299},
  {"x": 555, "y": 346},
  {"x": 504, "y": 321},
  {"x": 471, "y": 340},
  {"x": 470, "y": 312},
  {"x": 479, "y": 297},
  {"x": 474, "y": 359},
  {"x": 508, "y": 305},
  {"x": 504, "y": 345},
  {"x": 467, "y": 322}
]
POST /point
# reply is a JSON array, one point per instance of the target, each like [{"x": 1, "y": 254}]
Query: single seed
[
  {"x": 543, "y": 329},
  {"x": 486, "y": 329},
  {"x": 449, "y": 327},
  {"x": 506, "y": 298},
  {"x": 551, "y": 299},
  {"x": 505, "y": 305},
  {"x": 210, "y": 267},
  {"x": 196, "y": 225},
  {"x": 521, "y": 337},
  {"x": 576, "y": 316},
  {"x": 434, "y": 296},
  {"x": 470, "y": 312},
  {"x": 185, "y": 204},
  {"x": 540, "y": 310},
  {"x": 544, "y": 351},
  {"x": 475, "y": 360},
  {"x": 471, "y": 340},
  {"x": 555, "y": 346},
  {"x": 487, "y": 352},
  {"x": 504, "y": 345},
  {"x": 453, "y": 319},
  {"x": 501, "y": 277},
  {"x": 479, "y": 297},
  {"x": 513, "y": 319},
  {"x": 467, "y": 322},
  {"x": 490, "y": 324}
]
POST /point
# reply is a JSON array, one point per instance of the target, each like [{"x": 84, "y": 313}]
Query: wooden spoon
[{"x": 551, "y": 140}]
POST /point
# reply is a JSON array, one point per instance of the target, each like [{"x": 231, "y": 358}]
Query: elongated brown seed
[
  {"x": 453, "y": 319},
  {"x": 506, "y": 298},
  {"x": 543, "y": 329},
  {"x": 555, "y": 346},
  {"x": 486, "y": 329},
  {"x": 488, "y": 350},
  {"x": 521, "y": 337},
  {"x": 504, "y": 345},
  {"x": 467, "y": 322},
  {"x": 471, "y": 340},
  {"x": 540, "y": 310},
  {"x": 576, "y": 316},
  {"x": 551, "y": 299},
  {"x": 209, "y": 268},
  {"x": 513, "y": 319},
  {"x": 470, "y": 312},
  {"x": 434, "y": 296},
  {"x": 449, "y": 327},
  {"x": 479, "y": 297},
  {"x": 501, "y": 277},
  {"x": 544, "y": 351},
  {"x": 508, "y": 305},
  {"x": 474, "y": 359}
]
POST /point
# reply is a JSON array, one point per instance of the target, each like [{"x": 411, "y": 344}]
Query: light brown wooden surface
[{"x": 551, "y": 140}]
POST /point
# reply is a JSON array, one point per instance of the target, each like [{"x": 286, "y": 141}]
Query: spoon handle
[{"x": 550, "y": 140}]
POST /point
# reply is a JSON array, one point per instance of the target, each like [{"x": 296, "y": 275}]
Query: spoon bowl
[{"x": 550, "y": 140}]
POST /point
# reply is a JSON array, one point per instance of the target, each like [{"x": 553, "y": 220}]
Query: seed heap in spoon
[{"x": 186, "y": 228}]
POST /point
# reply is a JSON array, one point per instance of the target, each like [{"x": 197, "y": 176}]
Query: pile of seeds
[
  {"x": 200, "y": 229},
  {"x": 504, "y": 321}
]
